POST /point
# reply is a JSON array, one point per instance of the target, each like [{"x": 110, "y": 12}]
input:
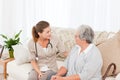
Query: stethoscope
[{"x": 49, "y": 43}]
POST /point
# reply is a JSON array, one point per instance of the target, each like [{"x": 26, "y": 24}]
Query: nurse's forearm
[{"x": 35, "y": 66}]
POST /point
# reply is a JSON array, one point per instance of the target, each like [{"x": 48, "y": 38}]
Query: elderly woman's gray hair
[{"x": 86, "y": 33}]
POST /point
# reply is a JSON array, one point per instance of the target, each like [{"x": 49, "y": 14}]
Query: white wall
[
  {"x": 0, "y": 19},
  {"x": 0, "y": 14},
  {"x": 102, "y": 15}
]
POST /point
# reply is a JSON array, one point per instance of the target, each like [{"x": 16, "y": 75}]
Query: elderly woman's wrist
[
  {"x": 58, "y": 75},
  {"x": 64, "y": 78}
]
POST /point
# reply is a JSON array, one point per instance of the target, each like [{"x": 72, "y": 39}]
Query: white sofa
[{"x": 19, "y": 71}]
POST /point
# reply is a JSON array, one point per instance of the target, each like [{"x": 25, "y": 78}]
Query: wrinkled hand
[
  {"x": 66, "y": 54},
  {"x": 53, "y": 78},
  {"x": 57, "y": 78}
]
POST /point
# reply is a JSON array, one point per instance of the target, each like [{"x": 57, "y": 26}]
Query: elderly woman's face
[{"x": 77, "y": 39}]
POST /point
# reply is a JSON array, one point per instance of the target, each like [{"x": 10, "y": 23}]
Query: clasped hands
[
  {"x": 55, "y": 77},
  {"x": 40, "y": 75}
]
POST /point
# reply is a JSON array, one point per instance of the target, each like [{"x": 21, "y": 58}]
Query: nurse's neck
[{"x": 42, "y": 39}]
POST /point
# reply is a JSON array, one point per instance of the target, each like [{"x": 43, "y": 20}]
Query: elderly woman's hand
[
  {"x": 57, "y": 78},
  {"x": 66, "y": 54},
  {"x": 53, "y": 77}
]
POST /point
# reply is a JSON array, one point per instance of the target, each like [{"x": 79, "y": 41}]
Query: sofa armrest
[
  {"x": 114, "y": 78},
  {"x": 117, "y": 77}
]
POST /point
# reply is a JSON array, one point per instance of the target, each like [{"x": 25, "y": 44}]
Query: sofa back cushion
[
  {"x": 66, "y": 35},
  {"x": 21, "y": 54},
  {"x": 110, "y": 50}
]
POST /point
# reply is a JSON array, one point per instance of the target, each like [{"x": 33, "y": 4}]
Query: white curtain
[{"x": 15, "y": 15}]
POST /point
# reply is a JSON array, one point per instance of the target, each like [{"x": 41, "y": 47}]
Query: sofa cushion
[
  {"x": 110, "y": 78},
  {"x": 21, "y": 72},
  {"x": 21, "y": 54},
  {"x": 110, "y": 50},
  {"x": 117, "y": 77},
  {"x": 101, "y": 37},
  {"x": 18, "y": 72},
  {"x": 67, "y": 36}
]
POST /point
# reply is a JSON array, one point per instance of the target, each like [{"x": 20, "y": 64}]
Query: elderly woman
[{"x": 84, "y": 61}]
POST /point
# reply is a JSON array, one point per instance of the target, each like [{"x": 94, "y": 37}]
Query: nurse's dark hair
[{"x": 39, "y": 27}]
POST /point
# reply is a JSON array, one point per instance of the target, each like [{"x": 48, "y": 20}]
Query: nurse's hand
[{"x": 39, "y": 75}]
